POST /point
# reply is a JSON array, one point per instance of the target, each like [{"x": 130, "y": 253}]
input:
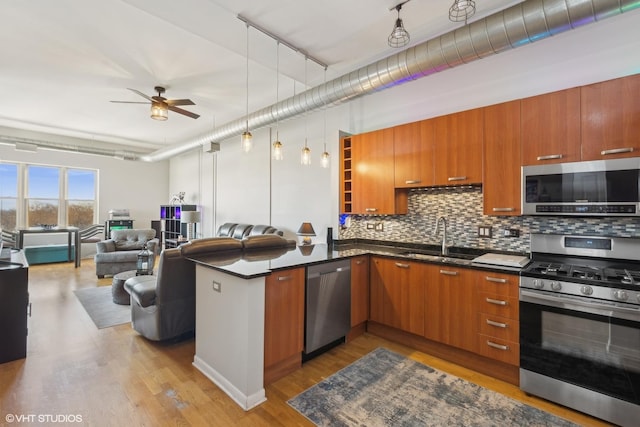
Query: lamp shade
[
  {"x": 306, "y": 229},
  {"x": 190, "y": 217}
]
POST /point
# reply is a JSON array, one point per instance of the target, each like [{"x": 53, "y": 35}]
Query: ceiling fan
[{"x": 160, "y": 105}]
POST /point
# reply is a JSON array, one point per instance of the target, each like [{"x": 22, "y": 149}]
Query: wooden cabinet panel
[
  {"x": 450, "y": 313},
  {"x": 359, "y": 290},
  {"x": 550, "y": 128},
  {"x": 499, "y": 349},
  {"x": 413, "y": 154},
  {"x": 502, "y": 188},
  {"x": 458, "y": 148},
  {"x": 498, "y": 283},
  {"x": 372, "y": 173},
  {"x": 283, "y": 323},
  {"x": 611, "y": 119},
  {"x": 345, "y": 176},
  {"x": 397, "y": 294},
  {"x": 499, "y": 327}
]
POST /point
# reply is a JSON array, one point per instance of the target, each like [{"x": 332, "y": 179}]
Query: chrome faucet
[{"x": 445, "y": 250}]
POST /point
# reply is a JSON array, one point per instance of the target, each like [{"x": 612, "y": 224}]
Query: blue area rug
[{"x": 384, "y": 388}]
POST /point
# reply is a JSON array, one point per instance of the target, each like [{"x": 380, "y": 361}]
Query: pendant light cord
[{"x": 247, "y": 104}]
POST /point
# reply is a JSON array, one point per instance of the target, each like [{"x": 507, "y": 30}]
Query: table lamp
[
  {"x": 306, "y": 231},
  {"x": 190, "y": 218}
]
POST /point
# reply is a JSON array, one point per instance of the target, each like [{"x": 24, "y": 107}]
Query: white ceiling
[{"x": 63, "y": 61}]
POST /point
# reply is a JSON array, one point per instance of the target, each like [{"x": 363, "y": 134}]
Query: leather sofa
[
  {"x": 163, "y": 305},
  {"x": 120, "y": 252},
  {"x": 240, "y": 231}
]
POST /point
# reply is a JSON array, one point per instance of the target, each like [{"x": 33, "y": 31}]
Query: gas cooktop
[{"x": 614, "y": 274}]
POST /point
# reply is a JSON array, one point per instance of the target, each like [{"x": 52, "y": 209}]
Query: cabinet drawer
[
  {"x": 498, "y": 305},
  {"x": 499, "y": 327},
  {"x": 499, "y": 349},
  {"x": 498, "y": 283}
]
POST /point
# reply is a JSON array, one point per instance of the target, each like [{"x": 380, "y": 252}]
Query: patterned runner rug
[{"x": 384, "y": 388}]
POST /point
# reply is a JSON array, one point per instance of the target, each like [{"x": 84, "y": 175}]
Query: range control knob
[
  {"x": 556, "y": 286},
  {"x": 538, "y": 284},
  {"x": 621, "y": 295},
  {"x": 638, "y": 297},
  {"x": 586, "y": 290}
]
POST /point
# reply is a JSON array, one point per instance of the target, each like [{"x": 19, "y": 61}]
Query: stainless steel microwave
[{"x": 593, "y": 188}]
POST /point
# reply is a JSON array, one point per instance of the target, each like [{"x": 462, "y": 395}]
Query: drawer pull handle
[
  {"x": 550, "y": 157},
  {"x": 495, "y": 279},
  {"x": 504, "y": 209},
  {"x": 449, "y": 272},
  {"x": 617, "y": 151},
  {"x": 29, "y": 312},
  {"x": 498, "y": 346},
  {"x": 496, "y": 324},
  {"x": 370, "y": 209},
  {"x": 413, "y": 181},
  {"x": 283, "y": 278},
  {"x": 496, "y": 301},
  {"x": 456, "y": 178},
  {"x": 359, "y": 262},
  {"x": 401, "y": 265}
]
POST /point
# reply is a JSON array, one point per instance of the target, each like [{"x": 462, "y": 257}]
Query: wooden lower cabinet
[
  {"x": 359, "y": 290},
  {"x": 283, "y": 323},
  {"x": 497, "y": 316},
  {"x": 397, "y": 294}
]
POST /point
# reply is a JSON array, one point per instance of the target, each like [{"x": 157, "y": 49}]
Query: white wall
[{"x": 254, "y": 189}]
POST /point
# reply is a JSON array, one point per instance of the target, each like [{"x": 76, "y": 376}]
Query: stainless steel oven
[{"x": 580, "y": 324}]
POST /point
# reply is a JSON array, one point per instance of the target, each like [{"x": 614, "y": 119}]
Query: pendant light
[
  {"x": 305, "y": 156},
  {"x": 324, "y": 159},
  {"x": 277, "y": 145},
  {"x": 246, "y": 138},
  {"x": 461, "y": 10},
  {"x": 399, "y": 37}
]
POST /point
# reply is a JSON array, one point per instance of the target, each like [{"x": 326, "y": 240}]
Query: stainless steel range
[{"x": 580, "y": 324}]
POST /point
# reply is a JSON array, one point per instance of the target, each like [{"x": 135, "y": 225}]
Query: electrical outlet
[
  {"x": 370, "y": 226},
  {"x": 484, "y": 231},
  {"x": 380, "y": 226},
  {"x": 216, "y": 286},
  {"x": 511, "y": 232}
]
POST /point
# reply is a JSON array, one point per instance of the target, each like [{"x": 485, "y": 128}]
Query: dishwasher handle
[{"x": 312, "y": 275}]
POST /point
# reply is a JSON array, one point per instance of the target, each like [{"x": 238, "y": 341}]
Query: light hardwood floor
[{"x": 114, "y": 377}]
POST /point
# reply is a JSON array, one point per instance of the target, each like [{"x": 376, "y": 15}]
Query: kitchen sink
[{"x": 448, "y": 259}]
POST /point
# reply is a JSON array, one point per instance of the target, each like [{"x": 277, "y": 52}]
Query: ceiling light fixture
[
  {"x": 399, "y": 37},
  {"x": 277, "y": 145},
  {"x": 159, "y": 111},
  {"x": 461, "y": 10},
  {"x": 246, "y": 138}
]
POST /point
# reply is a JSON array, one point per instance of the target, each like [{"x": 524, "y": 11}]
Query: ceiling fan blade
[
  {"x": 140, "y": 93},
  {"x": 129, "y": 102},
  {"x": 183, "y": 112},
  {"x": 179, "y": 102}
]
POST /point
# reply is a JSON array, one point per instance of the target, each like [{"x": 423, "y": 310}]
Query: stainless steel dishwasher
[{"x": 328, "y": 305}]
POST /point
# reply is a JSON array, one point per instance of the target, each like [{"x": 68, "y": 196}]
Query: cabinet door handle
[
  {"x": 495, "y": 279},
  {"x": 504, "y": 209},
  {"x": 370, "y": 209},
  {"x": 449, "y": 272},
  {"x": 283, "y": 278},
  {"x": 496, "y": 301},
  {"x": 29, "y": 311},
  {"x": 616, "y": 151},
  {"x": 456, "y": 178},
  {"x": 550, "y": 157},
  {"x": 413, "y": 181},
  {"x": 498, "y": 346},
  {"x": 496, "y": 324},
  {"x": 401, "y": 265}
]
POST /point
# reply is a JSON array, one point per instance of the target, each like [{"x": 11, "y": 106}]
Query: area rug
[
  {"x": 384, "y": 388},
  {"x": 99, "y": 305}
]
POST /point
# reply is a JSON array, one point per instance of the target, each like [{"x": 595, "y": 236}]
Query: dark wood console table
[{"x": 71, "y": 231}]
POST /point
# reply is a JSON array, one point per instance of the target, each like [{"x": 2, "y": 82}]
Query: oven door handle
[{"x": 603, "y": 308}]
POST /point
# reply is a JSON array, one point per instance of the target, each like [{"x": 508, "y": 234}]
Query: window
[
  {"x": 37, "y": 195},
  {"x": 8, "y": 195}
]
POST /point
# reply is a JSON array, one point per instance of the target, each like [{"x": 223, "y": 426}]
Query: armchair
[{"x": 120, "y": 252}]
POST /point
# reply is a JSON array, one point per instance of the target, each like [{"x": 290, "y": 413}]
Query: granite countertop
[{"x": 248, "y": 265}]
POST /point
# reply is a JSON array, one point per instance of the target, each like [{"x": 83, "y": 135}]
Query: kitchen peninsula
[{"x": 250, "y": 309}]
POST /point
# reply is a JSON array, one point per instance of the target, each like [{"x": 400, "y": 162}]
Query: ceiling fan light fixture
[
  {"x": 159, "y": 111},
  {"x": 399, "y": 37},
  {"x": 461, "y": 10}
]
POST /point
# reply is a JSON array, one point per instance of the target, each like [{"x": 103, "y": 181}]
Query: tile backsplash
[{"x": 462, "y": 208}]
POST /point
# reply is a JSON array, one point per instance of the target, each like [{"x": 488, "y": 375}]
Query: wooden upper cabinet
[
  {"x": 501, "y": 180},
  {"x": 611, "y": 119},
  {"x": 413, "y": 152},
  {"x": 458, "y": 148},
  {"x": 372, "y": 175},
  {"x": 550, "y": 128}
]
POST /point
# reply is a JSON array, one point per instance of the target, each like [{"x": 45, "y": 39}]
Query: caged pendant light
[
  {"x": 277, "y": 145},
  {"x": 399, "y": 37},
  {"x": 461, "y": 10},
  {"x": 246, "y": 138}
]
